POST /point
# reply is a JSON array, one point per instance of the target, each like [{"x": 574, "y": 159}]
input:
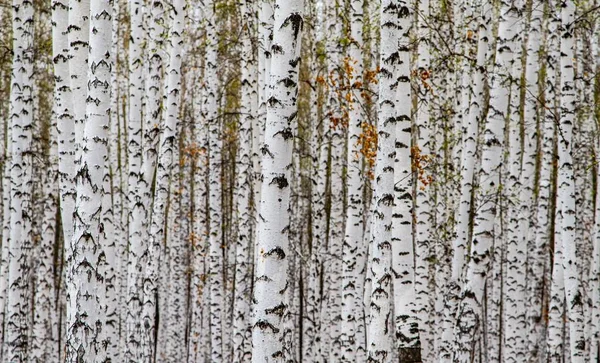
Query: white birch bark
[
  {"x": 331, "y": 301},
  {"x": 353, "y": 256},
  {"x": 379, "y": 338},
  {"x": 319, "y": 149},
  {"x": 423, "y": 210},
  {"x": 87, "y": 320},
  {"x": 6, "y": 197},
  {"x": 513, "y": 294},
  {"x": 265, "y": 38},
  {"x": 403, "y": 258},
  {"x": 44, "y": 329},
  {"x": 64, "y": 113},
  {"x": 528, "y": 213},
  {"x": 216, "y": 244},
  {"x": 118, "y": 167},
  {"x": 177, "y": 233},
  {"x": 18, "y": 320},
  {"x": 566, "y": 185},
  {"x": 136, "y": 214},
  {"x": 272, "y": 244},
  {"x": 242, "y": 347},
  {"x": 66, "y": 137},
  {"x": 556, "y": 308}
]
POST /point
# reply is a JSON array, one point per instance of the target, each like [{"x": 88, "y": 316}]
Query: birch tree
[
  {"x": 249, "y": 107},
  {"x": 18, "y": 320},
  {"x": 86, "y": 282},
  {"x": 566, "y": 184},
  {"x": 379, "y": 339},
  {"x": 353, "y": 256},
  {"x": 272, "y": 245}
]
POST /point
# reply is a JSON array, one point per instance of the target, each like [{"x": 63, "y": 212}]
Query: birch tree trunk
[
  {"x": 44, "y": 329},
  {"x": 403, "y": 258},
  {"x": 20, "y": 245},
  {"x": 566, "y": 185},
  {"x": 353, "y": 257},
  {"x": 379, "y": 338},
  {"x": 423, "y": 153},
  {"x": 249, "y": 107},
  {"x": 63, "y": 103},
  {"x": 216, "y": 244},
  {"x": 134, "y": 170},
  {"x": 528, "y": 212},
  {"x": 272, "y": 243},
  {"x": 513, "y": 296},
  {"x": 87, "y": 319}
]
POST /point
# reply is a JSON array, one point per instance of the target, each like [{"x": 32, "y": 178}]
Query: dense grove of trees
[{"x": 300, "y": 181}]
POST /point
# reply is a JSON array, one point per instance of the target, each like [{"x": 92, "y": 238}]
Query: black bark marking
[
  {"x": 281, "y": 181},
  {"x": 297, "y": 22},
  {"x": 278, "y": 251}
]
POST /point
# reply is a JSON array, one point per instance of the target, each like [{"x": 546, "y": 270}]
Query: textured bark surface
[{"x": 272, "y": 244}]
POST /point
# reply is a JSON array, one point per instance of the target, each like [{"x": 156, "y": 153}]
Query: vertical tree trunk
[
  {"x": 513, "y": 296},
  {"x": 17, "y": 322},
  {"x": 353, "y": 256},
  {"x": 422, "y": 154},
  {"x": 272, "y": 244},
  {"x": 242, "y": 329},
  {"x": 63, "y": 103},
  {"x": 379, "y": 338},
  {"x": 566, "y": 184},
  {"x": 87, "y": 320},
  {"x": 405, "y": 318},
  {"x": 135, "y": 204},
  {"x": 216, "y": 245},
  {"x": 528, "y": 215}
]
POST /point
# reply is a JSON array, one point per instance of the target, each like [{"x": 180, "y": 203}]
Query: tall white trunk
[
  {"x": 135, "y": 206},
  {"x": 44, "y": 327},
  {"x": 242, "y": 344},
  {"x": 63, "y": 103},
  {"x": 87, "y": 317},
  {"x": 406, "y": 321},
  {"x": 566, "y": 185},
  {"x": 528, "y": 214},
  {"x": 215, "y": 143},
  {"x": 556, "y": 308},
  {"x": 331, "y": 300},
  {"x": 272, "y": 244},
  {"x": 352, "y": 251},
  {"x": 424, "y": 150},
  {"x": 513, "y": 294},
  {"x": 379, "y": 337},
  {"x": 18, "y": 320},
  {"x": 177, "y": 234}
]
